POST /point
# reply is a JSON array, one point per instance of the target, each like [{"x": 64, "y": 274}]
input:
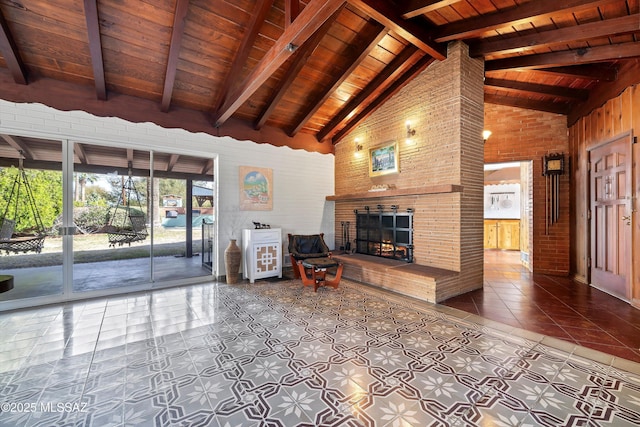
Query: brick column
[{"x": 445, "y": 105}]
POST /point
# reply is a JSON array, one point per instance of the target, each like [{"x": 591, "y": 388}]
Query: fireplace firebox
[{"x": 385, "y": 234}]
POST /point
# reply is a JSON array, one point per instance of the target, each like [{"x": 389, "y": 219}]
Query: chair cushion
[{"x": 303, "y": 246}]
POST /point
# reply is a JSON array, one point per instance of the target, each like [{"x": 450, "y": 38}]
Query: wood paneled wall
[{"x": 618, "y": 115}]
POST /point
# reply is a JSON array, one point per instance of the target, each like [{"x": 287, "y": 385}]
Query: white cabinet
[{"x": 262, "y": 253}]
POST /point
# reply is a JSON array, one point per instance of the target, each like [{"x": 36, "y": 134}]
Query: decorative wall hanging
[
  {"x": 384, "y": 159},
  {"x": 256, "y": 189}
]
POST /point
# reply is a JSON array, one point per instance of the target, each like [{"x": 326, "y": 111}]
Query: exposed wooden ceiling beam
[
  {"x": 207, "y": 169},
  {"x": 388, "y": 93},
  {"x": 415, "y": 8},
  {"x": 538, "y": 89},
  {"x": 475, "y": 27},
  {"x": 95, "y": 47},
  {"x": 597, "y": 72},
  {"x": 392, "y": 70},
  {"x": 174, "y": 51},
  {"x": 609, "y": 27},
  {"x": 361, "y": 51},
  {"x": 291, "y": 11},
  {"x": 106, "y": 170},
  {"x": 11, "y": 54},
  {"x": 19, "y": 146},
  {"x": 569, "y": 57},
  {"x": 253, "y": 29},
  {"x": 629, "y": 76},
  {"x": 528, "y": 104},
  {"x": 301, "y": 57},
  {"x": 388, "y": 15},
  {"x": 78, "y": 149},
  {"x": 310, "y": 19},
  {"x": 173, "y": 159}
]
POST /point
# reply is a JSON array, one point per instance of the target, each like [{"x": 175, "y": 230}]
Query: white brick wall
[{"x": 301, "y": 180}]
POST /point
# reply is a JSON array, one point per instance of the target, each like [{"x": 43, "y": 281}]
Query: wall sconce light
[
  {"x": 410, "y": 132},
  {"x": 486, "y": 134},
  {"x": 358, "y": 145}
]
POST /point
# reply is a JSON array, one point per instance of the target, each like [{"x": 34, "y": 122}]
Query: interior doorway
[{"x": 508, "y": 207}]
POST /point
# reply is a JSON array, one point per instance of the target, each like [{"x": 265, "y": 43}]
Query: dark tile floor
[{"x": 555, "y": 306}]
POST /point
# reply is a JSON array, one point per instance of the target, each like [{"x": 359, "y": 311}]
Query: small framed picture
[{"x": 383, "y": 159}]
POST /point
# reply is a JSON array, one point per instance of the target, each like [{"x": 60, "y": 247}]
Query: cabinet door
[
  {"x": 266, "y": 258},
  {"x": 509, "y": 235},
  {"x": 490, "y": 234}
]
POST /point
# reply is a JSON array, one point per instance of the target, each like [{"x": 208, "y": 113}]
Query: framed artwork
[
  {"x": 256, "y": 189},
  {"x": 383, "y": 159}
]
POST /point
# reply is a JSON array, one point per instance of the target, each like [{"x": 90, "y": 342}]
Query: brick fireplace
[{"x": 440, "y": 178}]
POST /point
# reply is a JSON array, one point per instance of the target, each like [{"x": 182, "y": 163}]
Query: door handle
[{"x": 627, "y": 218}]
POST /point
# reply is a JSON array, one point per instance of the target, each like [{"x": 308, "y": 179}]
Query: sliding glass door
[
  {"x": 83, "y": 219},
  {"x": 112, "y": 243},
  {"x": 30, "y": 214},
  {"x": 184, "y": 203}
]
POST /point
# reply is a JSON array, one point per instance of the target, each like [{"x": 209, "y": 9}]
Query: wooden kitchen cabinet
[{"x": 502, "y": 234}]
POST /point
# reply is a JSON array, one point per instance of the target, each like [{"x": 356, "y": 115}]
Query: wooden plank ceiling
[{"x": 309, "y": 70}]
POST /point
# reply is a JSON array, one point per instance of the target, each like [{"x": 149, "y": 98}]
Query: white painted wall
[
  {"x": 301, "y": 180},
  {"x": 502, "y": 201}
]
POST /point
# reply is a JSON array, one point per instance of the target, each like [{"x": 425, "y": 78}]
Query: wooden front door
[{"x": 610, "y": 201}]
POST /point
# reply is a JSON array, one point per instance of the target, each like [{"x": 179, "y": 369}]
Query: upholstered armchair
[{"x": 303, "y": 246}]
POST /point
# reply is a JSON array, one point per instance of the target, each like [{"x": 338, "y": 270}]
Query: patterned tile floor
[
  {"x": 278, "y": 354},
  {"x": 553, "y": 306}
]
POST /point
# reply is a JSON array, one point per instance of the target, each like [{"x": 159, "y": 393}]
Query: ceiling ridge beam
[
  {"x": 95, "y": 47},
  {"x": 569, "y": 57},
  {"x": 310, "y": 19},
  {"x": 536, "y": 88},
  {"x": 11, "y": 54},
  {"x": 363, "y": 50},
  {"x": 420, "y": 7},
  {"x": 529, "y": 104},
  {"x": 240, "y": 59},
  {"x": 479, "y": 25},
  {"x": 398, "y": 84},
  {"x": 387, "y": 13},
  {"x": 177, "y": 32},
  {"x": 591, "y": 30},
  {"x": 390, "y": 71},
  {"x": 301, "y": 57}
]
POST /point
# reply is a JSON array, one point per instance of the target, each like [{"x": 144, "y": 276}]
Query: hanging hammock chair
[
  {"x": 21, "y": 197},
  {"x": 128, "y": 223}
]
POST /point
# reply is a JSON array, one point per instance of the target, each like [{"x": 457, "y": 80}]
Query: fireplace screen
[{"x": 385, "y": 234}]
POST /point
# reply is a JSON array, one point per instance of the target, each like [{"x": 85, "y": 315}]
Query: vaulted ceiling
[{"x": 304, "y": 73}]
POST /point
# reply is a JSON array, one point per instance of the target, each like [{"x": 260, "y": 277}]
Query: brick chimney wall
[{"x": 444, "y": 104}]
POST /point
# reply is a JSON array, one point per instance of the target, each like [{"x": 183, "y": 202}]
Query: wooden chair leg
[
  {"x": 303, "y": 275},
  {"x": 296, "y": 273},
  {"x": 336, "y": 280}
]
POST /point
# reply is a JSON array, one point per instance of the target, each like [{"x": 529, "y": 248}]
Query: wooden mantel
[{"x": 394, "y": 192}]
